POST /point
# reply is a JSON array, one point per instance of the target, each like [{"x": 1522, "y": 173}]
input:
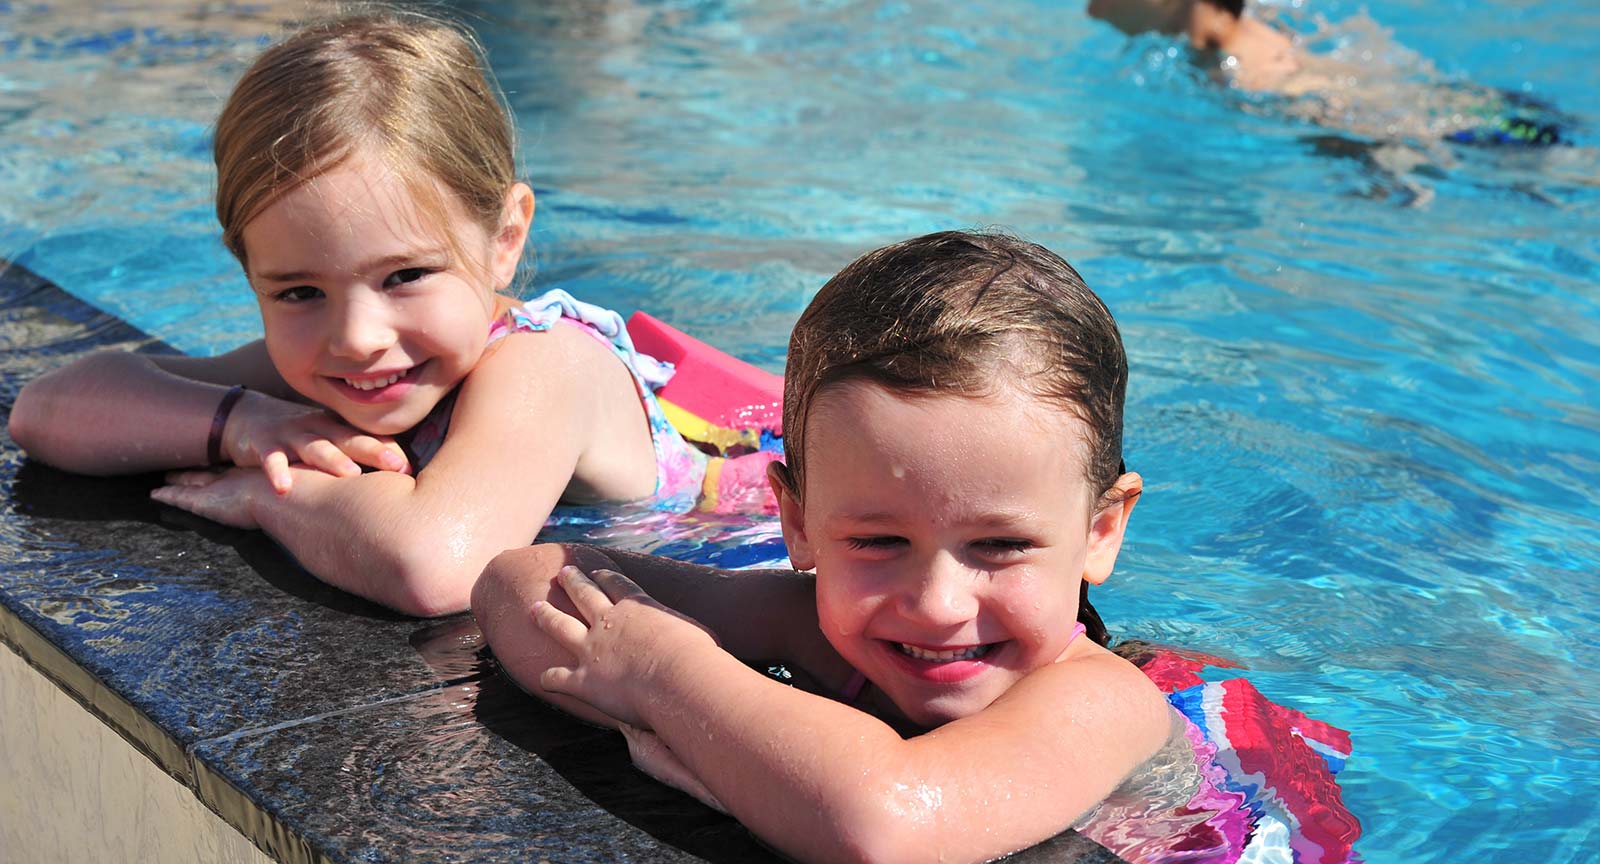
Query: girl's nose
[
  {"x": 359, "y": 331},
  {"x": 944, "y": 596}
]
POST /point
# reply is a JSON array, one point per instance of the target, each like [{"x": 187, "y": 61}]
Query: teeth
[
  {"x": 374, "y": 383},
  {"x": 942, "y": 656}
]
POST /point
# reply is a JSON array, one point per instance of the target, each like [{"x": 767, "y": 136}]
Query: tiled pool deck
[{"x": 321, "y": 727}]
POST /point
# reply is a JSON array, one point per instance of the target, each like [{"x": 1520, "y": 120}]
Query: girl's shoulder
[{"x": 1095, "y": 688}]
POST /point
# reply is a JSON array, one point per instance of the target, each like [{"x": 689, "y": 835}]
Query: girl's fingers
[
  {"x": 378, "y": 453},
  {"x": 556, "y": 679},
  {"x": 652, "y": 756},
  {"x": 276, "y": 466},
  {"x": 567, "y": 631},
  {"x": 324, "y": 455},
  {"x": 616, "y": 585},
  {"x": 190, "y": 478},
  {"x": 590, "y": 599}
]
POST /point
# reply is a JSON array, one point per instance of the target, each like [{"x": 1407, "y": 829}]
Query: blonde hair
[{"x": 409, "y": 88}]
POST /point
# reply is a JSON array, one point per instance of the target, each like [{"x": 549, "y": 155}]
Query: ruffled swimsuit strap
[{"x": 680, "y": 469}]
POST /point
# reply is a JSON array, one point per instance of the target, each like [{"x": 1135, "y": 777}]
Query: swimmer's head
[
  {"x": 966, "y": 314},
  {"x": 400, "y": 87},
  {"x": 958, "y": 313},
  {"x": 1162, "y": 16}
]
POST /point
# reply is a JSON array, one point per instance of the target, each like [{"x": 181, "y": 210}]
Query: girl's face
[
  {"x": 371, "y": 306},
  {"x": 950, "y": 536}
]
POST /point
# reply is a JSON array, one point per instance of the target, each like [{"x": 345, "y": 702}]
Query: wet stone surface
[{"x": 324, "y": 727}]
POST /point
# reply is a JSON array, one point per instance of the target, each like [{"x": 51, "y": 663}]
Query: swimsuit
[
  {"x": 1510, "y": 132},
  {"x": 681, "y": 470}
]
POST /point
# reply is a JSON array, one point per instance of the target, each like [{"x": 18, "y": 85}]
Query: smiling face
[
  {"x": 371, "y": 307},
  {"x": 950, "y": 536}
]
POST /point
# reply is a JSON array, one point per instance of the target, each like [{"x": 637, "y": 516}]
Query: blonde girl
[
  {"x": 953, "y": 485},
  {"x": 403, "y": 419}
]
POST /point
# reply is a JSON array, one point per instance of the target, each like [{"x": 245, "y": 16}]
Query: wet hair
[
  {"x": 410, "y": 89},
  {"x": 1232, "y": 7},
  {"x": 960, "y": 312}
]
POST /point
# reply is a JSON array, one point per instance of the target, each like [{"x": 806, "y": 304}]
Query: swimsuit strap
[{"x": 1077, "y": 630}]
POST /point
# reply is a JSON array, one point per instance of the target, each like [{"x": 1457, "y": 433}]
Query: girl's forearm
[
  {"x": 115, "y": 413},
  {"x": 818, "y": 779},
  {"x": 381, "y": 537}
]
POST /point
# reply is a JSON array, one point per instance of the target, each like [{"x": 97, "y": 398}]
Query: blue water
[{"x": 1369, "y": 429}]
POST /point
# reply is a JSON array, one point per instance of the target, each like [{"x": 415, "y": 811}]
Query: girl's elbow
[
  {"x": 875, "y": 827},
  {"x": 425, "y": 583},
  {"x": 26, "y": 425},
  {"x": 20, "y": 426}
]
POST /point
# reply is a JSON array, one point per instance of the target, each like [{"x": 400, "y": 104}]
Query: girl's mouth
[
  {"x": 942, "y": 656},
  {"x": 942, "y": 665},
  {"x": 375, "y": 383},
  {"x": 377, "y": 388}
]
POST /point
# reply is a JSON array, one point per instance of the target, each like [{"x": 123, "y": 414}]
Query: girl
[
  {"x": 953, "y": 434},
  {"x": 365, "y": 181}
]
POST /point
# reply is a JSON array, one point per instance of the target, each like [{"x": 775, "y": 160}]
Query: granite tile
[{"x": 480, "y": 771}]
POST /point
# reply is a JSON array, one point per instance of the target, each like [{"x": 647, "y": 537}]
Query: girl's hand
[
  {"x": 221, "y": 496},
  {"x": 621, "y": 638},
  {"x": 652, "y": 756},
  {"x": 272, "y": 433}
]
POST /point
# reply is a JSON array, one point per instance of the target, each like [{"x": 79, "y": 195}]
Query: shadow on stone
[{"x": 76, "y": 502}]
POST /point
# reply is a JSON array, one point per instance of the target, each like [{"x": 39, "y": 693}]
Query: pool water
[{"x": 1369, "y": 422}]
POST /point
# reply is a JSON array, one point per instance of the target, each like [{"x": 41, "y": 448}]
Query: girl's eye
[
  {"x": 297, "y": 294},
  {"x": 884, "y": 542},
  {"x": 1003, "y": 545},
  {"x": 406, "y": 276}
]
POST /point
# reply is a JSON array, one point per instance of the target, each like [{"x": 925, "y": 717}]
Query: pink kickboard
[{"x": 714, "y": 386}]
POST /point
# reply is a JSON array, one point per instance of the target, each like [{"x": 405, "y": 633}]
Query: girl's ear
[
  {"x": 1107, "y": 527},
  {"x": 792, "y": 515},
  {"x": 516, "y": 218}
]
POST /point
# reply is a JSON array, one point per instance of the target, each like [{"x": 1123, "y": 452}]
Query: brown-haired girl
[
  {"x": 953, "y": 420},
  {"x": 366, "y": 183}
]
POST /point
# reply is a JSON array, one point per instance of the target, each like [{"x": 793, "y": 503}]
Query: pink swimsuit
[{"x": 681, "y": 470}]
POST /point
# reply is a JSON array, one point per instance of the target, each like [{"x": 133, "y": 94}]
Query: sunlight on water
[{"x": 1368, "y": 429}]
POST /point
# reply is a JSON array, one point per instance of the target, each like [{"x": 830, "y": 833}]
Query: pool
[{"x": 1369, "y": 431}]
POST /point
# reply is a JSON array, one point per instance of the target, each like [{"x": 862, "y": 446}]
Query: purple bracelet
[{"x": 219, "y": 420}]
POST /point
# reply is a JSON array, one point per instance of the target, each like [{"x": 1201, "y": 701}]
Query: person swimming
[
  {"x": 1378, "y": 102},
  {"x": 1383, "y": 92}
]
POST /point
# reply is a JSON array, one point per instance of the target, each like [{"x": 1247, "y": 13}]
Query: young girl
[
  {"x": 953, "y": 419},
  {"x": 366, "y": 183}
]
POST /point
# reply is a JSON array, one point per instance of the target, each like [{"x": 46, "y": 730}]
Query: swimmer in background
[{"x": 1405, "y": 111}]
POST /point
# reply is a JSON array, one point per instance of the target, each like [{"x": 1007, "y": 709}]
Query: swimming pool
[{"x": 1369, "y": 431}]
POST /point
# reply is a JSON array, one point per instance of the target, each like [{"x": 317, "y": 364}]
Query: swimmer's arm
[
  {"x": 122, "y": 413},
  {"x": 117, "y": 412},
  {"x": 417, "y": 543},
  {"x": 823, "y": 781},
  {"x": 723, "y": 601}
]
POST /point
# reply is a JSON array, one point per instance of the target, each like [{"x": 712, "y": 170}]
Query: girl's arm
[
  {"x": 118, "y": 412},
  {"x": 823, "y": 781},
  {"x": 752, "y": 614},
  {"x": 525, "y": 416}
]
